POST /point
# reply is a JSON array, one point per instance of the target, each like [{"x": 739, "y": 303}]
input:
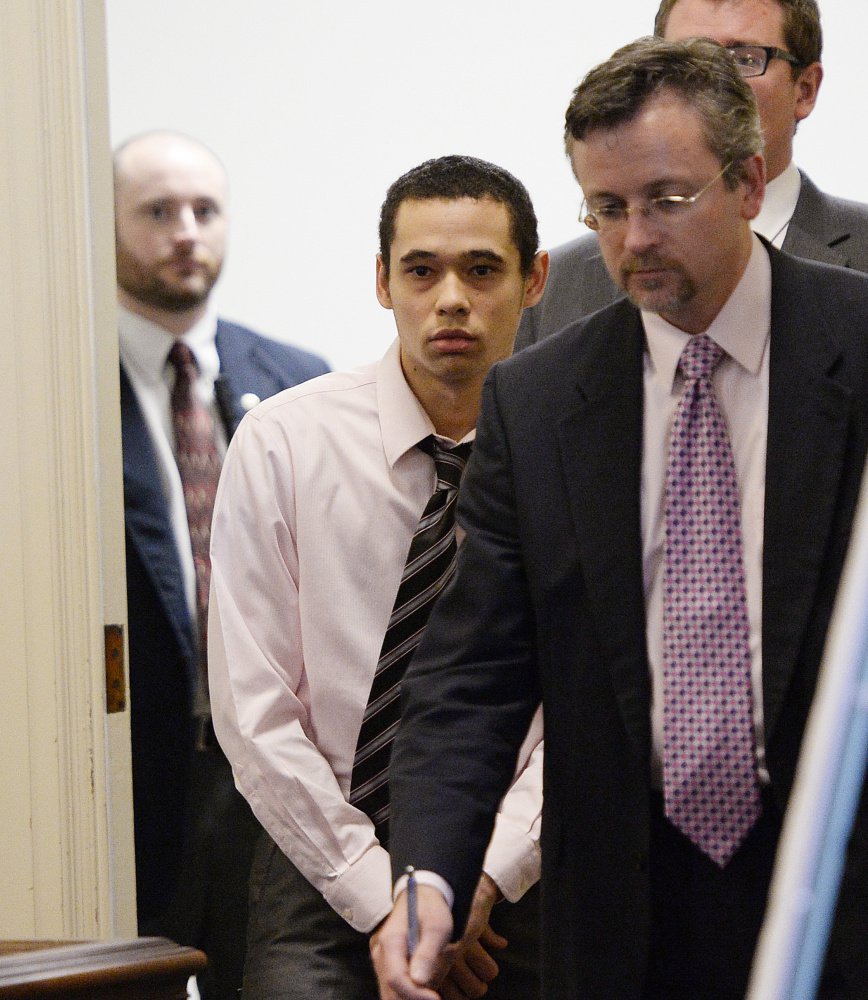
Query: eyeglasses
[
  {"x": 753, "y": 60},
  {"x": 668, "y": 209}
]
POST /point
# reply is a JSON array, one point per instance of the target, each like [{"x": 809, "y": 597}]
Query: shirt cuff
[
  {"x": 361, "y": 894},
  {"x": 426, "y": 878},
  {"x": 512, "y": 860}
]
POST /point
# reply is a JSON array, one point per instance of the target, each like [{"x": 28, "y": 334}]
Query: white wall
[{"x": 315, "y": 108}]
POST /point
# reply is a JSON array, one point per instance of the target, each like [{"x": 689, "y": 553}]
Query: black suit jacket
[
  {"x": 548, "y": 603},
  {"x": 161, "y": 638},
  {"x": 824, "y": 228}
]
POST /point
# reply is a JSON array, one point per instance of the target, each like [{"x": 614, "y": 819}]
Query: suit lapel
[
  {"x": 229, "y": 388},
  {"x": 802, "y": 243},
  {"x": 245, "y": 368},
  {"x": 807, "y": 428},
  {"x": 600, "y": 443},
  {"x": 815, "y": 231},
  {"x": 146, "y": 516}
]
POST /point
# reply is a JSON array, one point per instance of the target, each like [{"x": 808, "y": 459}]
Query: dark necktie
[
  {"x": 709, "y": 765},
  {"x": 429, "y": 567},
  {"x": 199, "y": 465}
]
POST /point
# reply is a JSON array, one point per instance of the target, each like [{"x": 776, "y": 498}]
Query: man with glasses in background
[
  {"x": 656, "y": 518},
  {"x": 777, "y": 45}
]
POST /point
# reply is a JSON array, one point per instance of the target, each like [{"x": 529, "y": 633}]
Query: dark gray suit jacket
[
  {"x": 822, "y": 228},
  {"x": 548, "y": 603},
  {"x": 161, "y": 639}
]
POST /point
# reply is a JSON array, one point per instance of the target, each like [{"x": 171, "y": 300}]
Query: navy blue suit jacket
[{"x": 161, "y": 637}]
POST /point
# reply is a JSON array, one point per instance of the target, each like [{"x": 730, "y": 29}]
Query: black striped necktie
[{"x": 429, "y": 567}]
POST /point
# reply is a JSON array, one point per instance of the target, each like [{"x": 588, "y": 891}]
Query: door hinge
[{"x": 115, "y": 678}]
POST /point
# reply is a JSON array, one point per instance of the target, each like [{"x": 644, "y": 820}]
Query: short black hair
[{"x": 452, "y": 177}]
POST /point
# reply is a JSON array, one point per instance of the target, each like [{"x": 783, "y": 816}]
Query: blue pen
[{"x": 412, "y": 910}]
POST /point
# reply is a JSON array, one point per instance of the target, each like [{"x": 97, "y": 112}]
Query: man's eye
[
  {"x": 206, "y": 212},
  {"x": 481, "y": 270},
  {"x": 159, "y": 212},
  {"x": 420, "y": 270},
  {"x": 746, "y": 60},
  {"x": 670, "y": 204},
  {"x": 608, "y": 211}
]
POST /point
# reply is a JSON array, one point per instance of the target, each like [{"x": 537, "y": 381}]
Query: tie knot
[
  {"x": 699, "y": 357},
  {"x": 449, "y": 462},
  {"x": 181, "y": 357}
]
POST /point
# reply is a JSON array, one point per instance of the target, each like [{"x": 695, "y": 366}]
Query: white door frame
[{"x": 65, "y": 790}]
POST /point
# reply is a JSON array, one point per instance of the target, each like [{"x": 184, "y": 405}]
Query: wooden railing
[{"x": 140, "y": 969}]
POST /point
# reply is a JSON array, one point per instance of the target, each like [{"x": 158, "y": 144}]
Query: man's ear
[
  {"x": 753, "y": 184},
  {"x": 383, "y": 295},
  {"x": 807, "y": 88},
  {"x": 535, "y": 282}
]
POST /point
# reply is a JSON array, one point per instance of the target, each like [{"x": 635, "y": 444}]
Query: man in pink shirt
[{"x": 321, "y": 495}]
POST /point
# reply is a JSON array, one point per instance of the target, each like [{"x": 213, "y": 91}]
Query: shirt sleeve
[
  {"x": 258, "y": 682},
  {"x": 513, "y": 857}
]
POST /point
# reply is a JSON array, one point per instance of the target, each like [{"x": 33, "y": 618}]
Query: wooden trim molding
[{"x": 62, "y": 791}]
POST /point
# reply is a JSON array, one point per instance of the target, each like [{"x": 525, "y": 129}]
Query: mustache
[
  {"x": 184, "y": 255},
  {"x": 646, "y": 262}
]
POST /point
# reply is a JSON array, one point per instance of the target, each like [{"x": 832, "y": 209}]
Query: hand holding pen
[{"x": 409, "y": 949}]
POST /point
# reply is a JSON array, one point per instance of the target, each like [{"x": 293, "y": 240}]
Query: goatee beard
[
  {"x": 643, "y": 298},
  {"x": 148, "y": 287},
  {"x": 176, "y": 302}
]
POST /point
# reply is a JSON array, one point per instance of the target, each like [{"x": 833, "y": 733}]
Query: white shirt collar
[
  {"x": 403, "y": 420},
  {"x": 741, "y": 327},
  {"x": 778, "y": 205},
  {"x": 144, "y": 345}
]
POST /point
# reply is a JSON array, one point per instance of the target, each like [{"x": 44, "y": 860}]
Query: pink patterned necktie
[
  {"x": 199, "y": 465},
  {"x": 709, "y": 766}
]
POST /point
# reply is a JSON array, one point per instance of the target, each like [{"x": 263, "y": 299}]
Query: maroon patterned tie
[
  {"x": 199, "y": 464},
  {"x": 709, "y": 766}
]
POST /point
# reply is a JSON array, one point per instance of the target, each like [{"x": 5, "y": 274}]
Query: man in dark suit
[
  {"x": 568, "y": 587},
  {"x": 193, "y": 831},
  {"x": 797, "y": 216}
]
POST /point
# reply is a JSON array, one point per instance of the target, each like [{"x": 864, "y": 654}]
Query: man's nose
[
  {"x": 452, "y": 295},
  {"x": 640, "y": 230},
  {"x": 187, "y": 226}
]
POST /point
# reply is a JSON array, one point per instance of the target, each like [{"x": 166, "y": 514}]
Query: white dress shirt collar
[
  {"x": 144, "y": 346},
  {"x": 778, "y": 205},
  {"x": 403, "y": 420}
]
